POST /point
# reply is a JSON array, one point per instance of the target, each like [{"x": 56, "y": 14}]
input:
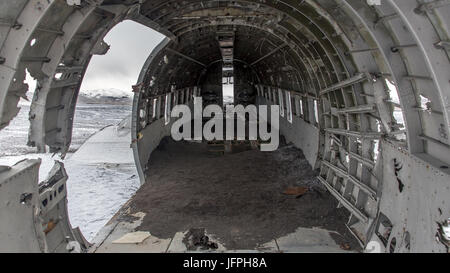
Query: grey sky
[{"x": 131, "y": 44}]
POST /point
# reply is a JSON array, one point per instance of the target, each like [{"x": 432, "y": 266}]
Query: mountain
[
  {"x": 110, "y": 92},
  {"x": 105, "y": 96},
  {"x": 228, "y": 100}
]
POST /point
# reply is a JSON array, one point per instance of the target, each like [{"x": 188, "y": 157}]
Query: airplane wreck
[{"x": 364, "y": 94}]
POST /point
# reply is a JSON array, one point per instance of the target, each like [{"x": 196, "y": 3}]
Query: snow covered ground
[
  {"x": 89, "y": 118},
  {"x": 97, "y": 187}
]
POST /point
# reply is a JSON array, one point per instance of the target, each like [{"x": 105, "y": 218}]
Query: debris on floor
[
  {"x": 133, "y": 238},
  {"x": 237, "y": 197},
  {"x": 345, "y": 246},
  {"x": 196, "y": 237},
  {"x": 296, "y": 191}
]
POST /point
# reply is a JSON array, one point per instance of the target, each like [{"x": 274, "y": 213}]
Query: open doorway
[
  {"x": 105, "y": 104},
  {"x": 228, "y": 85}
]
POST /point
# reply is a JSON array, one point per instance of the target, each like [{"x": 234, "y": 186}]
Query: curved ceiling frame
[
  {"x": 175, "y": 63},
  {"x": 183, "y": 9},
  {"x": 296, "y": 10},
  {"x": 280, "y": 38},
  {"x": 326, "y": 35},
  {"x": 302, "y": 53},
  {"x": 190, "y": 27},
  {"x": 360, "y": 45},
  {"x": 208, "y": 65},
  {"x": 206, "y": 26},
  {"x": 307, "y": 54}
]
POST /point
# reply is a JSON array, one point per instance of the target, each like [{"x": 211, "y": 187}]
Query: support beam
[
  {"x": 135, "y": 15},
  {"x": 65, "y": 83},
  {"x": 360, "y": 109},
  {"x": 360, "y": 77},
  {"x": 269, "y": 54},
  {"x": 348, "y": 133},
  {"x": 186, "y": 57},
  {"x": 342, "y": 173},
  {"x": 355, "y": 211},
  {"x": 364, "y": 161},
  {"x": 35, "y": 59}
]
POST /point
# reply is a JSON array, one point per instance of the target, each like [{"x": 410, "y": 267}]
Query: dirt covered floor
[{"x": 239, "y": 197}]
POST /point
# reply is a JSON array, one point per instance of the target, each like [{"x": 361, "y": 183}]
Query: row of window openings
[
  {"x": 288, "y": 106},
  {"x": 291, "y": 105},
  {"x": 166, "y": 104}
]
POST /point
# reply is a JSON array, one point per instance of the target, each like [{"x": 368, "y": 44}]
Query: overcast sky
[{"x": 131, "y": 44}]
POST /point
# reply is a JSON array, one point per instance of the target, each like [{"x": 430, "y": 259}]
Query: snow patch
[{"x": 103, "y": 180}]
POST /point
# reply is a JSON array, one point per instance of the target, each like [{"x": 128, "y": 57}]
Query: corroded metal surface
[{"x": 315, "y": 50}]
